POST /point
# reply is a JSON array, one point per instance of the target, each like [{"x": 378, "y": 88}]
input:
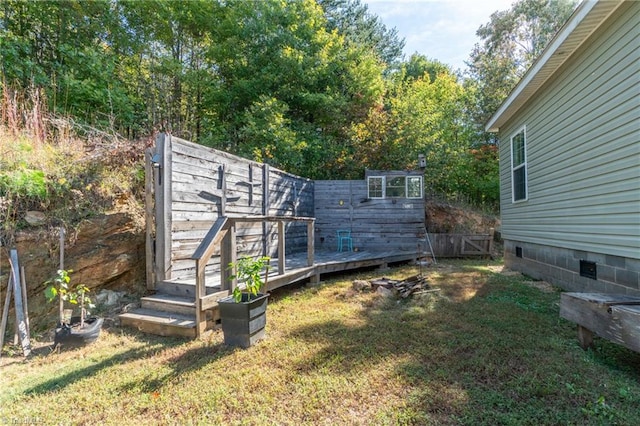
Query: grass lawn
[{"x": 489, "y": 349}]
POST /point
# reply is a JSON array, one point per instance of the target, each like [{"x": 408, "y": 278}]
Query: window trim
[
  {"x": 383, "y": 179},
  {"x": 421, "y": 187},
  {"x": 523, "y": 165}
]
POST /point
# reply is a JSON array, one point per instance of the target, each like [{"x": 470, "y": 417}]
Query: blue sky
[{"x": 439, "y": 29}]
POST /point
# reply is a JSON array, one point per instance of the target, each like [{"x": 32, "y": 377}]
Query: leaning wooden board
[{"x": 614, "y": 317}]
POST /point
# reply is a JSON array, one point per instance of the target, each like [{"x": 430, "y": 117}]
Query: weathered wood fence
[
  {"x": 462, "y": 245},
  {"x": 375, "y": 224},
  {"x": 193, "y": 185}
]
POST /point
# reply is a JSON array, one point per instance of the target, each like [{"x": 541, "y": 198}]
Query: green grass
[{"x": 490, "y": 349}]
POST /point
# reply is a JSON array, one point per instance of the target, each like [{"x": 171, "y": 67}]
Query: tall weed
[{"x": 46, "y": 165}]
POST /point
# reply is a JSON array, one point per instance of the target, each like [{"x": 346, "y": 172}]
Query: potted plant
[
  {"x": 72, "y": 330},
  {"x": 244, "y": 313}
]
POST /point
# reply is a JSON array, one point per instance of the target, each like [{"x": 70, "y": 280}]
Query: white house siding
[{"x": 583, "y": 158}]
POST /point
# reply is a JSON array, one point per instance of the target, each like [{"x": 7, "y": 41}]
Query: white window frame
[
  {"x": 382, "y": 183},
  {"x": 523, "y": 165},
  {"x": 383, "y": 180},
  {"x": 421, "y": 187}
]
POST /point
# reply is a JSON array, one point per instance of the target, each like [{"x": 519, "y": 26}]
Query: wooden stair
[{"x": 169, "y": 312}]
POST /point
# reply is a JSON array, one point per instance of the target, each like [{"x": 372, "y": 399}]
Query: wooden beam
[
  {"x": 21, "y": 321},
  {"x": 281, "y": 248},
  {"x": 605, "y": 315},
  {"x": 201, "y": 318},
  {"x": 266, "y": 228},
  {"x": 228, "y": 254},
  {"x": 163, "y": 207},
  {"x": 222, "y": 184},
  {"x": 310, "y": 242},
  {"x": 211, "y": 239},
  {"x": 5, "y": 312},
  {"x": 148, "y": 219}
]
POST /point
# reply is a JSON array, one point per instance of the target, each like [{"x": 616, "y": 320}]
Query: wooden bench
[{"x": 614, "y": 317}]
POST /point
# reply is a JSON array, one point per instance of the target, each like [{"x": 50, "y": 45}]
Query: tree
[
  {"x": 352, "y": 19},
  {"x": 510, "y": 43}
]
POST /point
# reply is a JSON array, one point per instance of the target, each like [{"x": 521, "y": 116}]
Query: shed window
[
  {"x": 519, "y": 166},
  {"x": 414, "y": 187},
  {"x": 376, "y": 186},
  {"x": 394, "y": 186}
]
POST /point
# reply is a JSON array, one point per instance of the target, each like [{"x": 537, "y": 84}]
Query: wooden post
[
  {"x": 310, "y": 242},
  {"x": 19, "y": 304},
  {"x": 585, "y": 337},
  {"x": 163, "y": 208},
  {"x": 281, "y": 248},
  {"x": 148, "y": 219},
  {"x": 201, "y": 290},
  {"x": 492, "y": 232},
  {"x": 23, "y": 283},
  {"x": 228, "y": 255},
  {"x": 5, "y": 312},
  {"x": 222, "y": 183},
  {"x": 266, "y": 226}
]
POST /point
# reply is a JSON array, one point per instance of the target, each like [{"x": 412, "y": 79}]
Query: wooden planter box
[{"x": 243, "y": 324}]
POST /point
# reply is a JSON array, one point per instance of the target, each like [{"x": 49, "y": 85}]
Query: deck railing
[{"x": 222, "y": 236}]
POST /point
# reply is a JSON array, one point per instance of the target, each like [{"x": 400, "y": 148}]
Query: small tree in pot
[
  {"x": 243, "y": 314},
  {"x": 72, "y": 330}
]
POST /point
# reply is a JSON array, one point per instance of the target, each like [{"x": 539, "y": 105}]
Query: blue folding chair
[{"x": 345, "y": 242}]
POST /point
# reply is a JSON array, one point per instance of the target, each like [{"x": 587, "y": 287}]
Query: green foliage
[
  {"x": 510, "y": 43},
  {"x": 23, "y": 182},
  {"x": 248, "y": 270},
  {"x": 314, "y": 87},
  {"x": 58, "y": 287}
]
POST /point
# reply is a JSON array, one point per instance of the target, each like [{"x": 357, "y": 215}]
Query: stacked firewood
[{"x": 411, "y": 286}]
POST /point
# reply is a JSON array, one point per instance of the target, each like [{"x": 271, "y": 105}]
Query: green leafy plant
[
  {"x": 59, "y": 287},
  {"x": 248, "y": 270}
]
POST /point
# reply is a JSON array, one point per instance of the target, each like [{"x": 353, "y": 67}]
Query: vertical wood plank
[
  {"x": 23, "y": 284},
  {"x": 201, "y": 318},
  {"x": 5, "y": 312},
  {"x": 148, "y": 219},
  {"x": 163, "y": 208},
  {"x": 310, "y": 242},
  {"x": 265, "y": 210},
  {"x": 18, "y": 303},
  {"x": 228, "y": 255},
  {"x": 222, "y": 176},
  {"x": 281, "y": 247}
]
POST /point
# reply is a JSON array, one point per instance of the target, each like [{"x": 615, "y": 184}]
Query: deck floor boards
[{"x": 296, "y": 268}]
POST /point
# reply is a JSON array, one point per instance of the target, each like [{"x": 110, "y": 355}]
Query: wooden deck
[
  {"x": 296, "y": 268},
  {"x": 177, "y": 310}
]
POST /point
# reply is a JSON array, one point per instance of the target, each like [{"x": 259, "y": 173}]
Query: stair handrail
[
  {"x": 215, "y": 236},
  {"x": 201, "y": 255}
]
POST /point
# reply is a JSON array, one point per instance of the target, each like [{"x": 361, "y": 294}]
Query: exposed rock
[
  {"x": 35, "y": 218},
  {"x": 384, "y": 291},
  {"x": 109, "y": 297},
  {"x": 360, "y": 285},
  {"x": 104, "y": 252},
  {"x": 445, "y": 218}
]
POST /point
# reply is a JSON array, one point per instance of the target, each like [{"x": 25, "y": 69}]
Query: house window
[
  {"x": 395, "y": 186},
  {"x": 414, "y": 187},
  {"x": 376, "y": 186},
  {"x": 519, "y": 166}
]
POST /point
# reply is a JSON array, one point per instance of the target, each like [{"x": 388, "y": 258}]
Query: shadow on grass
[
  {"x": 501, "y": 356},
  {"x": 152, "y": 344},
  {"x": 189, "y": 360}
]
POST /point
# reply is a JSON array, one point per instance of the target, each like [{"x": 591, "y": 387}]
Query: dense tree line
[{"x": 319, "y": 88}]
